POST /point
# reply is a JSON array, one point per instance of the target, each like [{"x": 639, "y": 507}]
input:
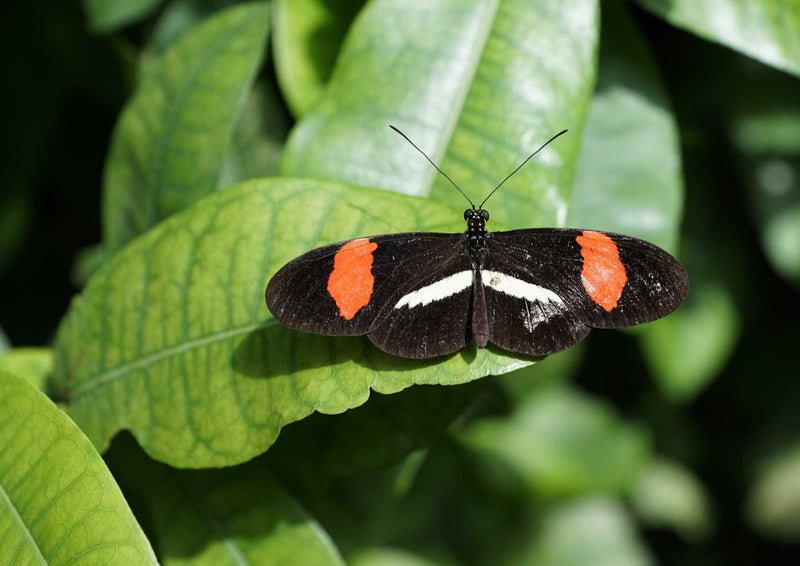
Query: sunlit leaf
[
  {"x": 58, "y": 501},
  {"x": 307, "y": 37},
  {"x": 564, "y": 443},
  {"x": 628, "y": 176},
  {"x": 767, "y": 30},
  {"x": 476, "y": 84},
  {"x": 668, "y": 495},
  {"x": 107, "y": 15},
  {"x": 172, "y": 339},
  {"x": 239, "y": 515},
  {"x": 171, "y": 140},
  {"x": 32, "y": 364}
]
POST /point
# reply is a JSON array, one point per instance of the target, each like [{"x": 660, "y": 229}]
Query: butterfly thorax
[{"x": 476, "y": 232}]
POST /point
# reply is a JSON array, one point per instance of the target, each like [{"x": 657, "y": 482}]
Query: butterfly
[{"x": 426, "y": 294}]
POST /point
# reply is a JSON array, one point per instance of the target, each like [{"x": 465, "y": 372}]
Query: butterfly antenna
[
  {"x": 520, "y": 166},
  {"x": 472, "y": 204}
]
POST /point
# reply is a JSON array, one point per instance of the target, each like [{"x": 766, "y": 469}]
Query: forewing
[
  {"x": 606, "y": 280},
  {"x": 341, "y": 289}
]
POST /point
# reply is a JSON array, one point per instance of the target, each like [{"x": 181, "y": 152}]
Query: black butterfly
[{"x": 425, "y": 294}]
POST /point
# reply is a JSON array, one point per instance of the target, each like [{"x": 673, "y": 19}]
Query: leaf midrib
[
  {"x": 23, "y": 527},
  {"x": 115, "y": 373}
]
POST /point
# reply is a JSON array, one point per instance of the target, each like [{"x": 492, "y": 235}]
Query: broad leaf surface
[
  {"x": 169, "y": 145},
  {"x": 767, "y": 30},
  {"x": 106, "y": 16},
  {"x": 668, "y": 495},
  {"x": 306, "y": 40},
  {"x": 58, "y": 501},
  {"x": 239, "y": 515},
  {"x": 171, "y": 338},
  {"x": 564, "y": 443},
  {"x": 628, "y": 177},
  {"x": 32, "y": 364},
  {"x": 477, "y": 84}
]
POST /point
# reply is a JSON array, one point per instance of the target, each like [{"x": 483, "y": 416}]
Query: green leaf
[
  {"x": 588, "y": 532},
  {"x": 86, "y": 262},
  {"x": 767, "y": 30},
  {"x": 477, "y": 85},
  {"x": 179, "y": 17},
  {"x": 58, "y": 501},
  {"x": 258, "y": 138},
  {"x": 35, "y": 365},
  {"x": 773, "y": 504},
  {"x": 170, "y": 143},
  {"x": 379, "y": 433},
  {"x": 307, "y": 37},
  {"x": 171, "y": 338},
  {"x": 238, "y": 515},
  {"x": 108, "y": 15},
  {"x": 668, "y": 495},
  {"x": 564, "y": 443},
  {"x": 628, "y": 177}
]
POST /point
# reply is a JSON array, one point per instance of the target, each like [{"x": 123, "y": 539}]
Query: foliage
[{"x": 217, "y": 139}]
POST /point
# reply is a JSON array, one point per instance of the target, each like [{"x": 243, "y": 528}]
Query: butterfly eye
[
  {"x": 467, "y": 214},
  {"x": 485, "y": 214}
]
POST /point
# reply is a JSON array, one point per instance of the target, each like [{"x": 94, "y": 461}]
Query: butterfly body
[{"x": 421, "y": 295}]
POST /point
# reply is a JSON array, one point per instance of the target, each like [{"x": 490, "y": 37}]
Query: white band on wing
[
  {"x": 442, "y": 289},
  {"x": 518, "y": 288}
]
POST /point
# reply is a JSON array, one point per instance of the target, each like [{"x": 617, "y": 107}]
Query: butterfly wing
[
  {"x": 352, "y": 288},
  {"x": 545, "y": 288}
]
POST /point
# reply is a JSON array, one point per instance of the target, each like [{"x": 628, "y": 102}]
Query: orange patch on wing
[
  {"x": 603, "y": 274},
  {"x": 350, "y": 283}
]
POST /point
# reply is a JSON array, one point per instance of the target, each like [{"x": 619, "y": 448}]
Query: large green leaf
[
  {"x": 563, "y": 443},
  {"x": 107, "y": 15},
  {"x": 58, "y": 501},
  {"x": 306, "y": 40},
  {"x": 768, "y": 30},
  {"x": 178, "y": 17},
  {"x": 33, "y": 364},
  {"x": 628, "y": 176},
  {"x": 239, "y": 515},
  {"x": 171, "y": 338},
  {"x": 170, "y": 143},
  {"x": 477, "y": 84}
]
